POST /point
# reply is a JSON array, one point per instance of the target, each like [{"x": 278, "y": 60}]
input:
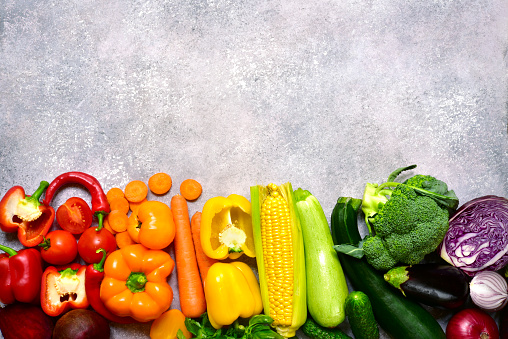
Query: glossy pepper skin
[
  {"x": 26, "y": 215},
  {"x": 100, "y": 205},
  {"x": 20, "y": 275},
  {"x": 93, "y": 278},
  {"x": 63, "y": 288},
  {"x": 152, "y": 225},
  {"x": 135, "y": 282},
  {"x": 226, "y": 228},
  {"x": 231, "y": 291}
]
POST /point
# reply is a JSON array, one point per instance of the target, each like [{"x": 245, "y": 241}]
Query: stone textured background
[{"x": 326, "y": 94}]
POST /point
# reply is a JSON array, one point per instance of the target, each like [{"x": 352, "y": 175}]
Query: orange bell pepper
[
  {"x": 135, "y": 282},
  {"x": 167, "y": 325},
  {"x": 152, "y": 225}
]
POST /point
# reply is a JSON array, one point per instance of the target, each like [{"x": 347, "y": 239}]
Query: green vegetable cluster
[
  {"x": 406, "y": 220},
  {"x": 257, "y": 328}
]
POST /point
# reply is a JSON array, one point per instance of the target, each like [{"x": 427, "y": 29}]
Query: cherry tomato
[
  {"x": 59, "y": 247},
  {"x": 74, "y": 215},
  {"x": 91, "y": 240}
]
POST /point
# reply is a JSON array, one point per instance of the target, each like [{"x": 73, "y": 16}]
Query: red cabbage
[{"x": 477, "y": 238}]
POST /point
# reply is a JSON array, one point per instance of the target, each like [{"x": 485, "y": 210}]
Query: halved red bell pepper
[
  {"x": 63, "y": 288},
  {"x": 26, "y": 215},
  {"x": 20, "y": 275}
]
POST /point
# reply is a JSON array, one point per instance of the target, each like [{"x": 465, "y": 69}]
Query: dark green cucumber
[
  {"x": 360, "y": 316},
  {"x": 314, "y": 331},
  {"x": 400, "y": 317}
]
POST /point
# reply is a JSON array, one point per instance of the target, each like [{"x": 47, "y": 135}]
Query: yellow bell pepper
[
  {"x": 152, "y": 225},
  {"x": 226, "y": 228},
  {"x": 135, "y": 282},
  {"x": 231, "y": 291}
]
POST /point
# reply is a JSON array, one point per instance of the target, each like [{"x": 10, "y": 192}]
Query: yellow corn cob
[{"x": 280, "y": 257}]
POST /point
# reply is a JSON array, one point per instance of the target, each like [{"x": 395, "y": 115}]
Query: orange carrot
[
  {"x": 106, "y": 225},
  {"x": 160, "y": 183},
  {"x": 190, "y": 189},
  {"x": 135, "y": 191},
  {"x": 119, "y": 203},
  {"x": 204, "y": 261},
  {"x": 118, "y": 220},
  {"x": 123, "y": 239},
  {"x": 113, "y": 193},
  {"x": 134, "y": 206},
  {"x": 190, "y": 287}
]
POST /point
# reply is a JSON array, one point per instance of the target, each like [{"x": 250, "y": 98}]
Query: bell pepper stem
[
  {"x": 99, "y": 267},
  {"x": 34, "y": 198},
  {"x": 136, "y": 282},
  {"x": 8, "y": 250}
]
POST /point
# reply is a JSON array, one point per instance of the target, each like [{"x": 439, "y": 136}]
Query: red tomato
[
  {"x": 59, "y": 247},
  {"x": 91, "y": 240},
  {"x": 74, "y": 216}
]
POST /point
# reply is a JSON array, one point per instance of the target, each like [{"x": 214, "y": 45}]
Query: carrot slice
[
  {"x": 113, "y": 193},
  {"x": 190, "y": 189},
  {"x": 160, "y": 183},
  {"x": 136, "y": 190},
  {"x": 118, "y": 220},
  {"x": 120, "y": 204}
]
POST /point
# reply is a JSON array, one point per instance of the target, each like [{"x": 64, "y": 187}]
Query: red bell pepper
[
  {"x": 100, "y": 205},
  {"x": 63, "y": 288},
  {"x": 26, "y": 215},
  {"x": 94, "y": 275},
  {"x": 20, "y": 275}
]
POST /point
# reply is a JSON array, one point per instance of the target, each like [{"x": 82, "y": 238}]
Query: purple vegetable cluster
[{"x": 477, "y": 238}]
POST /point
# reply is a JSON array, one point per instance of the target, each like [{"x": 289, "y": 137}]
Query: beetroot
[
  {"x": 25, "y": 321},
  {"x": 81, "y": 324}
]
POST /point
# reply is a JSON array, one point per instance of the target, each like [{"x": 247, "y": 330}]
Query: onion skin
[
  {"x": 489, "y": 291},
  {"x": 472, "y": 323}
]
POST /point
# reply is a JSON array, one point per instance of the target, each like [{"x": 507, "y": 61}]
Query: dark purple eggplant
[{"x": 435, "y": 285}]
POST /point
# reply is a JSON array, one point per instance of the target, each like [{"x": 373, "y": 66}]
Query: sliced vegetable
[
  {"x": 20, "y": 275},
  {"x": 360, "y": 316},
  {"x": 226, "y": 227},
  {"x": 489, "y": 291},
  {"x": 400, "y": 317},
  {"x": 74, "y": 215},
  {"x": 26, "y": 215},
  {"x": 232, "y": 292},
  {"x": 25, "y": 321},
  {"x": 136, "y": 191},
  {"x": 190, "y": 189},
  {"x": 477, "y": 238},
  {"x": 471, "y": 323},
  {"x": 431, "y": 284},
  {"x": 280, "y": 256},
  {"x": 326, "y": 284},
  {"x": 160, "y": 183},
  {"x": 63, "y": 288}
]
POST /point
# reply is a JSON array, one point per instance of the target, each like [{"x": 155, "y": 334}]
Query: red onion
[
  {"x": 489, "y": 291},
  {"x": 472, "y": 323}
]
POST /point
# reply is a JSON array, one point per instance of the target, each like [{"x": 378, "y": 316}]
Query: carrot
[
  {"x": 106, "y": 225},
  {"x": 123, "y": 239},
  {"x": 190, "y": 189},
  {"x": 135, "y": 191},
  {"x": 204, "y": 261},
  {"x": 113, "y": 193},
  {"x": 119, "y": 203},
  {"x": 118, "y": 220},
  {"x": 160, "y": 183},
  {"x": 134, "y": 206},
  {"x": 190, "y": 287}
]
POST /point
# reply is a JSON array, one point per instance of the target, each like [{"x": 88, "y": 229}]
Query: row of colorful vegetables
[{"x": 419, "y": 243}]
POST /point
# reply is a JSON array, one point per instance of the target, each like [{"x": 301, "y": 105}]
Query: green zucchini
[
  {"x": 360, "y": 316},
  {"x": 312, "y": 330},
  {"x": 400, "y": 317},
  {"x": 326, "y": 284}
]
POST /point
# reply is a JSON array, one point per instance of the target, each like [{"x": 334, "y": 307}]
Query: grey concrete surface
[{"x": 326, "y": 94}]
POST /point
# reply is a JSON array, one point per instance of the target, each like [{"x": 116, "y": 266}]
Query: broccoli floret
[{"x": 405, "y": 222}]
